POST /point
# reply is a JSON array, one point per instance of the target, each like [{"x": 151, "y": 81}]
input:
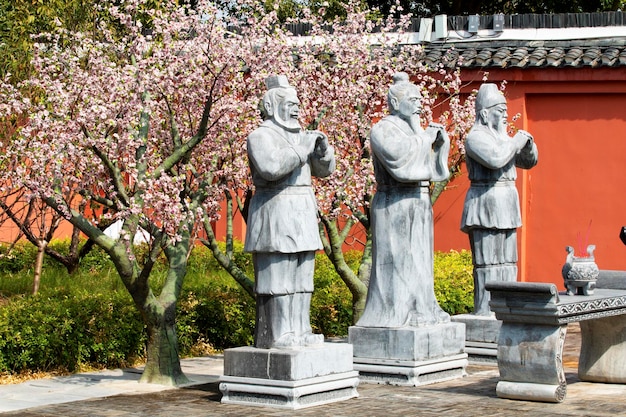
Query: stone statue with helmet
[{"x": 491, "y": 214}]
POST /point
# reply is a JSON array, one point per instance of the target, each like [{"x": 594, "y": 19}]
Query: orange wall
[{"x": 579, "y": 184}]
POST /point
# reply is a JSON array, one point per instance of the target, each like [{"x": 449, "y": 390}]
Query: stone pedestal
[
  {"x": 530, "y": 362},
  {"x": 289, "y": 378},
  {"x": 481, "y": 337},
  {"x": 534, "y": 324},
  {"x": 409, "y": 356},
  {"x": 603, "y": 350}
]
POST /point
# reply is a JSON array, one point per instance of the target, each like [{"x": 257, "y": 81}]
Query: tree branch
[{"x": 225, "y": 261}]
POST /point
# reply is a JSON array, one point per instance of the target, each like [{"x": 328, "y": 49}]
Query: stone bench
[{"x": 534, "y": 322}]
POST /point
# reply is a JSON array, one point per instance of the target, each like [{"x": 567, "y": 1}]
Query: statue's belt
[{"x": 499, "y": 183}]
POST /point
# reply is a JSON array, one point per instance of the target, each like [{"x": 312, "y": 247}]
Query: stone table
[{"x": 530, "y": 345}]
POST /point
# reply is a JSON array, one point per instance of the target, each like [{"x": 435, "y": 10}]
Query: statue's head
[
  {"x": 280, "y": 103},
  {"x": 404, "y": 98},
  {"x": 491, "y": 109}
]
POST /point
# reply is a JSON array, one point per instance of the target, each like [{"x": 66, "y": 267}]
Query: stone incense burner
[{"x": 580, "y": 272}]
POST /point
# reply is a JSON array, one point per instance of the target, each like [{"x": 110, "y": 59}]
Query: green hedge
[
  {"x": 88, "y": 319},
  {"x": 220, "y": 316},
  {"x": 62, "y": 331},
  {"x": 454, "y": 284}
]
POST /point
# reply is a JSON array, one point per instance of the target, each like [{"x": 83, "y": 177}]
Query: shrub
[
  {"x": 95, "y": 260},
  {"x": 454, "y": 284},
  {"x": 14, "y": 258},
  {"x": 217, "y": 315},
  {"x": 68, "y": 331},
  {"x": 331, "y": 304}
]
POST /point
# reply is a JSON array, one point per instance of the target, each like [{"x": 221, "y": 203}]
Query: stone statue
[
  {"x": 491, "y": 214},
  {"x": 282, "y": 231},
  {"x": 406, "y": 157}
]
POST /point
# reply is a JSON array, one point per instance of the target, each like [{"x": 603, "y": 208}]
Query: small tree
[
  {"x": 38, "y": 224},
  {"x": 121, "y": 119}
]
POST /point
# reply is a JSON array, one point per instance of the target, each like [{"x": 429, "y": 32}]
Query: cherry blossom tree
[
  {"x": 33, "y": 219},
  {"x": 37, "y": 223},
  {"x": 126, "y": 118}
]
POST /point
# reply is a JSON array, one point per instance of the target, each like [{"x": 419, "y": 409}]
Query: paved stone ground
[{"x": 473, "y": 395}]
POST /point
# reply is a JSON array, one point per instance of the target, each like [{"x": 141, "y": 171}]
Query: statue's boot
[
  {"x": 274, "y": 322},
  {"x": 302, "y": 315}
]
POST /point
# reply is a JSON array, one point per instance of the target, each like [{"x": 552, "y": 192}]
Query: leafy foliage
[
  {"x": 68, "y": 331},
  {"x": 15, "y": 258},
  {"x": 454, "y": 284},
  {"x": 220, "y": 315},
  {"x": 88, "y": 320},
  {"x": 19, "y": 19},
  {"x": 331, "y": 312}
]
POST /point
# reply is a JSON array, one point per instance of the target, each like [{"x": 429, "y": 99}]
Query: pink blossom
[{"x": 115, "y": 112}]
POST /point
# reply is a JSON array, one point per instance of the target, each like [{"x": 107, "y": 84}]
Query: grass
[{"x": 97, "y": 274}]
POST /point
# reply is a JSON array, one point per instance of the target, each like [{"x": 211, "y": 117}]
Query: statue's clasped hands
[
  {"x": 436, "y": 132},
  {"x": 318, "y": 142},
  {"x": 525, "y": 139}
]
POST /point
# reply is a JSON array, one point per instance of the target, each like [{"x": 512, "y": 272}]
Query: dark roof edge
[
  {"x": 545, "y": 21},
  {"x": 516, "y": 21}
]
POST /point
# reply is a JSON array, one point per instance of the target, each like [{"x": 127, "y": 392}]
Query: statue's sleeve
[
  {"x": 441, "y": 151},
  {"x": 527, "y": 157},
  {"x": 272, "y": 157},
  {"x": 323, "y": 166},
  {"x": 484, "y": 148},
  {"x": 407, "y": 158}
]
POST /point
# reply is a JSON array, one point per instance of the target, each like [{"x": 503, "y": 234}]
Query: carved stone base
[
  {"x": 289, "y": 378},
  {"x": 410, "y": 355},
  {"x": 530, "y": 360},
  {"x": 481, "y": 337},
  {"x": 291, "y": 395},
  {"x": 531, "y": 391},
  {"x": 534, "y": 322},
  {"x": 410, "y": 373},
  {"x": 603, "y": 350}
]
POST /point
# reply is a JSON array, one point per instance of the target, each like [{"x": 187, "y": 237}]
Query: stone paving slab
[
  {"x": 473, "y": 395},
  {"x": 90, "y": 385}
]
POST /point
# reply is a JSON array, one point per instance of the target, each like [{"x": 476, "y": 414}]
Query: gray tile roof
[
  {"x": 590, "y": 53},
  {"x": 545, "y": 21},
  {"x": 493, "y": 51}
]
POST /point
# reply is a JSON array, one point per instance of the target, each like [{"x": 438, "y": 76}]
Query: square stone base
[
  {"x": 410, "y": 355},
  {"x": 411, "y": 373},
  {"x": 481, "y": 337},
  {"x": 289, "y": 378}
]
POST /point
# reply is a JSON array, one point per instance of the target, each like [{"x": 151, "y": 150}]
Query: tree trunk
[
  {"x": 359, "y": 296},
  {"x": 438, "y": 188},
  {"x": 41, "y": 251},
  {"x": 163, "y": 363},
  {"x": 226, "y": 259},
  {"x": 333, "y": 239},
  {"x": 158, "y": 313}
]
